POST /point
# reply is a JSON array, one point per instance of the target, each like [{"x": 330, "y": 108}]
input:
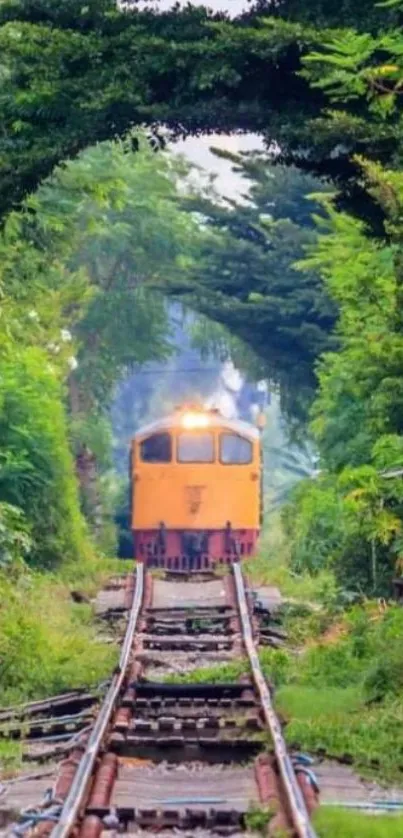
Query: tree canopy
[
  {"x": 73, "y": 75},
  {"x": 352, "y": 518},
  {"x": 245, "y": 273},
  {"x": 77, "y": 267}
]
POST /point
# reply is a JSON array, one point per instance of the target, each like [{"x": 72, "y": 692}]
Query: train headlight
[{"x": 195, "y": 420}]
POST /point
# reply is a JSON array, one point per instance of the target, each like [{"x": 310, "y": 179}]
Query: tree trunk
[{"x": 85, "y": 461}]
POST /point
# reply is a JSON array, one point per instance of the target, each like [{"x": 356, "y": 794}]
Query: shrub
[
  {"x": 313, "y": 523},
  {"x": 337, "y": 523},
  {"x": 15, "y": 542},
  {"x": 37, "y": 469}
]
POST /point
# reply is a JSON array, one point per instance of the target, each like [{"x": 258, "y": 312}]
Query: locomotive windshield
[
  {"x": 195, "y": 448},
  {"x": 156, "y": 449},
  {"x": 235, "y": 449}
]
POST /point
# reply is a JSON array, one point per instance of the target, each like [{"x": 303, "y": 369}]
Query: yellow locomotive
[{"x": 196, "y": 482}]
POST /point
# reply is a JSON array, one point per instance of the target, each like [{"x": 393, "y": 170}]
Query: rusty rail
[
  {"x": 295, "y": 799},
  {"x": 75, "y": 800},
  {"x": 75, "y": 797}
]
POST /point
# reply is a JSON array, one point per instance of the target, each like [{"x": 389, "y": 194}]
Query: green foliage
[
  {"x": 40, "y": 298},
  {"x": 357, "y": 415},
  {"x": 47, "y": 644},
  {"x": 353, "y": 71},
  {"x": 37, "y": 468},
  {"x": 384, "y": 677},
  {"x": 362, "y": 14},
  {"x": 355, "y": 66},
  {"x": 275, "y": 664},
  {"x": 258, "y": 818},
  {"x": 343, "y": 694},
  {"x": 81, "y": 263},
  {"x": 342, "y": 823},
  {"x": 94, "y": 432},
  {"x": 71, "y": 79},
  {"x": 314, "y": 525},
  {"x": 246, "y": 279},
  {"x": 15, "y": 542},
  {"x": 216, "y": 674},
  {"x": 10, "y": 757},
  {"x": 342, "y": 525},
  {"x": 113, "y": 212},
  {"x": 370, "y": 737},
  {"x": 271, "y": 566}
]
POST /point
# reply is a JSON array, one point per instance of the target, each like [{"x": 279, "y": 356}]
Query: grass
[
  {"x": 342, "y": 823},
  {"x": 270, "y": 567},
  {"x": 10, "y": 757},
  {"x": 274, "y": 662},
  {"x": 48, "y": 643},
  {"x": 343, "y": 694},
  {"x": 324, "y": 718},
  {"x": 219, "y": 674},
  {"x": 309, "y": 703},
  {"x": 89, "y": 576},
  {"x": 370, "y": 737}
]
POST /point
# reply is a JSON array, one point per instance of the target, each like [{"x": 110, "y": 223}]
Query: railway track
[{"x": 196, "y": 759}]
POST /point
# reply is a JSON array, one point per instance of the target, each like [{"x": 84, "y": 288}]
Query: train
[{"x": 196, "y": 490}]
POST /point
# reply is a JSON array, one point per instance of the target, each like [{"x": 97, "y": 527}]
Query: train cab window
[
  {"x": 235, "y": 449},
  {"x": 156, "y": 449},
  {"x": 195, "y": 448}
]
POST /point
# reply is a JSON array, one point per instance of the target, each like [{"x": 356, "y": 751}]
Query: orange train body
[{"x": 196, "y": 490}]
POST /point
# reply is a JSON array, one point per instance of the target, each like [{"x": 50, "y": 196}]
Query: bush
[
  {"x": 15, "y": 542},
  {"x": 385, "y": 673},
  {"x": 331, "y": 524},
  {"x": 271, "y": 566},
  {"x": 313, "y": 523},
  {"x": 37, "y": 470}
]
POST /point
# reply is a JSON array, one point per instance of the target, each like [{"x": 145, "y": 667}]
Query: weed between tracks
[
  {"x": 274, "y": 662},
  {"x": 258, "y": 818}
]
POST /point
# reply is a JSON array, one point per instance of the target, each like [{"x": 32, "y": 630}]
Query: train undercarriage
[{"x": 193, "y": 549}]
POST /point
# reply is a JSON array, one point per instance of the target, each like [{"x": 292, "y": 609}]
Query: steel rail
[
  {"x": 75, "y": 797},
  {"x": 296, "y": 802}
]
